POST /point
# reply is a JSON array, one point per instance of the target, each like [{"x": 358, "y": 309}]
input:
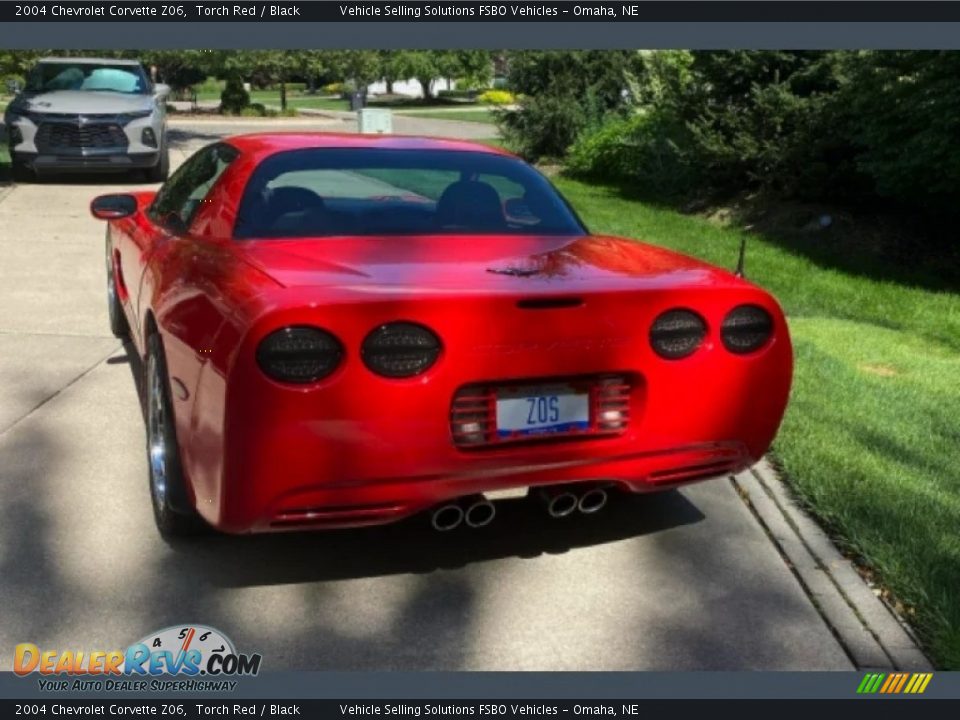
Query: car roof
[
  {"x": 264, "y": 144},
  {"x": 89, "y": 61}
]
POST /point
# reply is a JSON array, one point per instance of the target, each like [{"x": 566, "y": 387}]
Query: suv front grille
[{"x": 61, "y": 136}]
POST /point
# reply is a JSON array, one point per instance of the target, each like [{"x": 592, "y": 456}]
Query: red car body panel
[{"x": 357, "y": 448}]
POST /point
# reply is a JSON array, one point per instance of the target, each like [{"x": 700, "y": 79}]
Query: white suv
[{"x": 88, "y": 114}]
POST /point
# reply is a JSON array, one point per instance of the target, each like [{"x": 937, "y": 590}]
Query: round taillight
[
  {"x": 400, "y": 349},
  {"x": 677, "y": 333},
  {"x": 299, "y": 354},
  {"x": 746, "y": 328}
]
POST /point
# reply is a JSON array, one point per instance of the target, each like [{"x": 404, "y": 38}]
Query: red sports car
[{"x": 345, "y": 330}]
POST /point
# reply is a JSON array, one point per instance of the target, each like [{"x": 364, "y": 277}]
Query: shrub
[
  {"x": 335, "y": 88},
  {"x": 234, "y": 98},
  {"x": 561, "y": 93},
  {"x": 11, "y": 81},
  {"x": 210, "y": 86},
  {"x": 905, "y": 127},
  {"x": 544, "y": 126},
  {"x": 650, "y": 150},
  {"x": 497, "y": 97},
  {"x": 254, "y": 110},
  {"x": 457, "y": 94}
]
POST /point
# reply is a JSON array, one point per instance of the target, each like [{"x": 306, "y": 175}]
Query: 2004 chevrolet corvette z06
[{"x": 346, "y": 330}]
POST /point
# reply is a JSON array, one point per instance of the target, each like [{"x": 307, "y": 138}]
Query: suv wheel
[
  {"x": 21, "y": 173},
  {"x": 160, "y": 171}
]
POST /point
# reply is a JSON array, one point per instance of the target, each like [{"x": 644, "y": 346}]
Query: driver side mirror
[
  {"x": 113, "y": 207},
  {"x": 160, "y": 90}
]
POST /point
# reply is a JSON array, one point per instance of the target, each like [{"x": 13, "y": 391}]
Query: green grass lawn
[
  {"x": 478, "y": 115},
  {"x": 414, "y": 107},
  {"x": 313, "y": 103},
  {"x": 871, "y": 439}
]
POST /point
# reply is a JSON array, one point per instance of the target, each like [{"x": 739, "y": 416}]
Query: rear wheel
[
  {"x": 172, "y": 510},
  {"x": 118, "y": 320}
]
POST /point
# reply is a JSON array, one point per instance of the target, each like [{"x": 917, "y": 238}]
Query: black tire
[
  {"x": 118, "y": 320},
  {"x": 21, "y": 173},
  {"x": 161, "y": 171},
  {"x": 172, "y": 510}
]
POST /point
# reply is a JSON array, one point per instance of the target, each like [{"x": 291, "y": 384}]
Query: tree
[
  {"x": 180, "y": 69},
  {"x": 361, "y": 67},
  {"x": 428, "y": 65},
  {"x": 904, "y": 123},
  {"x": 563, "y": 93}
]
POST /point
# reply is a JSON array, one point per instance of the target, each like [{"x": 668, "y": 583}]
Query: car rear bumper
[
  {"x": 116, "y": 161},
  {"x": 375, "y": 502}
]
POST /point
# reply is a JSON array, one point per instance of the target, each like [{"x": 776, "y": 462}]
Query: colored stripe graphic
[{"x": 894, "y": 683}]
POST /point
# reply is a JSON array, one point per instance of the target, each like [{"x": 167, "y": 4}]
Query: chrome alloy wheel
[
  {"x": 158, "y": 443},
  {"x": 111, "y": 287}
]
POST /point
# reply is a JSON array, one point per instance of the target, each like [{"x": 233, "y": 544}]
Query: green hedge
[{"x": 874, "y": 127}]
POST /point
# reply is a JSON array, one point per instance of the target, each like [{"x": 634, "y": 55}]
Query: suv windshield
[
  {"x": 370, "y": 191},
  {"x": 129, "y": 79}
]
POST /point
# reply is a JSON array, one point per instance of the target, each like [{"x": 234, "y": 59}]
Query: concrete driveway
[{"x": 683, "y": 580}]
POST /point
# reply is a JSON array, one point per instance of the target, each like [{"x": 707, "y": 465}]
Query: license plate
[{"x": 542, "y": 410}]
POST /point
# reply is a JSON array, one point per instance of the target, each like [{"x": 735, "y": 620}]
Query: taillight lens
[
  {"x": 299, "y": 354},
  {"x": 746, "y": 328},
  {"x": 677, "y": 333},
  {"x": 400, "y": 349}
]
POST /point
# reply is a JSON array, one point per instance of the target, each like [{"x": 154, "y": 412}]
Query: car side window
[{"x": 180, "y": 197}]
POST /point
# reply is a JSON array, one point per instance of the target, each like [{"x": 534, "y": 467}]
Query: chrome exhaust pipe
[
  {"x": 592, "y": 501},
  {"x": 446, "y": 517},
  {"x": 560, "y": 503},
  {"x": 479, "y": 513}
]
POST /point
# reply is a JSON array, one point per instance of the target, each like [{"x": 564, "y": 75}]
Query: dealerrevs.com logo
[{"x": 201, "y": 657}]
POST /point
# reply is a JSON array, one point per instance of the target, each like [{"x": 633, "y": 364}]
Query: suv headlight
[{"x": 125, "y": 118}]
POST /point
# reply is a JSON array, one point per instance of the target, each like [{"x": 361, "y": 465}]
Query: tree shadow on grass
[{"x": 906, "y": 247}]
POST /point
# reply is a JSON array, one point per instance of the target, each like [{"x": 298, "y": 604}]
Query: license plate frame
[{"x": 541, "y": 410}]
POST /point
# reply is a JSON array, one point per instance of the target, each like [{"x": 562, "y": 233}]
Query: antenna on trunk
[{"x": 743, "y": 251}]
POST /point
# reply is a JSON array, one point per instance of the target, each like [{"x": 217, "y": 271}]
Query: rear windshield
[
  {"x": 360, "y": 191},
  {"x": 127, "y": 79}
]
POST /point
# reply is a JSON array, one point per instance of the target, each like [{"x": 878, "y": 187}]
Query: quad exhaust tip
[
  {"x": 560, "y": 504},
  {"x": 480, "y": 513},
  {"x": 474, "y": 512},
  {"x": 592, "y": 501},
  {"x": 447, "y": 517}
]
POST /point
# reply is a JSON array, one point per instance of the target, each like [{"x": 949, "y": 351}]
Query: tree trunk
[
  {"x": 425, "y": 83},
  {"x": 389, "y": 86},
  {"x": 283, "y": 95}
]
